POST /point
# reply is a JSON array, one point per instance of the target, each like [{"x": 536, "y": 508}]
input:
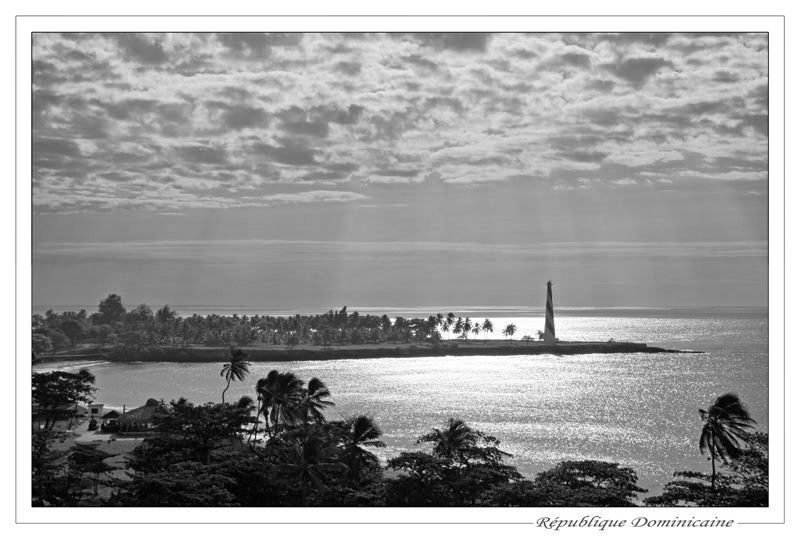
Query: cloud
[
  {"x": 209, "y": 155},
  {"x": 256, "y": 45},
  {"x": 287, "y": 155},
  {"x": 184, "y": 120},
  {"x": 583, "y": 156},
  {"x": 141, "y": 48},
  {"x": 237, "y": 117},
  {"x": 637, "y": 70},
  {"x": 348, "y": 68},
  {"x": 56, "y": 147},
  {"x": 298, "y": 121},
  {"x": 461, "y": 42},
  {"x": 313, "y": 196}
]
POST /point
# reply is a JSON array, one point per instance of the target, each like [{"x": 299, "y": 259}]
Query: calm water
[{"x": 639, "y": 410}]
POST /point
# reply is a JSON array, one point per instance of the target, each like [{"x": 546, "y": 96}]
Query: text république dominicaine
[{"x": 639, "y": 522}]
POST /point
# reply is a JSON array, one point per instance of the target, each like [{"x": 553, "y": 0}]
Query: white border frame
[{"x": 25, "y": 25}]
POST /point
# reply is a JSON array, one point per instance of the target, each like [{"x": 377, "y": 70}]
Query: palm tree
[
  {"x": 313, "y": 401},
  {"x": 359, "y": 432},
  {"x": 458, "y": 326},
  {"x": 510, "y": 330},
  {"x": 448, "y": 322},
  {"x": 452, "y": 443},
  {"x": 280, "y": 394},
  {"x": 476, "y": 330},
  {"x": 487, "y": 327},
  {"x": 439, "y": 320},
  {"x": 467, "y": 327},
  {"x": 309, "y": 459},
  {"x": 260, "y": 392},
  {"x": 236, "y": 368},
  {"x": 724, "y": 427}
]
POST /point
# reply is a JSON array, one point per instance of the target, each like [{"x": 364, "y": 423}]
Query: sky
[{"x": 310, "y": 171}]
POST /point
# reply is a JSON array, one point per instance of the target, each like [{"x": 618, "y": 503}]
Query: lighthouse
[{"x": 549, "y": 323}]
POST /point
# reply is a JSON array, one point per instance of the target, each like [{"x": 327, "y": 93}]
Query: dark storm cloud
[
  {"x": 571, "y": 59},
  {"x": 637, "y": 70},
  {"x": 129, "y": 108},
  {"x": 725, "y": 76},
  {"x": 236, "y": 117},
  {"x": 758, "y": 122},
  {"x": 240, "y": 117},
  {"x": 419, "y": 61},
  {"x": 576, "y": 59},
  {"x": 462, "y": 42},
  {"x": 605, "y": 117},
  {"x": 244, "y": 42},
  {"x": 344, "y": 116},
  {"x": 201, "y": 120},
  {"x": 323, "y": 176},
  {"x": 253, "y": 45},
  {"x": 600, "y": 85},
  {"x": 56, "y": 147},
  {"x": 583, "y": 156},
  {"x": 140, "y": 48},
  {"x": 235, "y": 94},
  {"x": 299, "y": 122},
  {"x": 44, "y": 72},
  {"x": 760, "y": 96},
  {"x": 396, "y": 172},
  {"x": 348, "y": 68},
  {"x": 341, "y": 167},
  {"x": 452, "y": 103},
  {"x": 209, "y": 155}
]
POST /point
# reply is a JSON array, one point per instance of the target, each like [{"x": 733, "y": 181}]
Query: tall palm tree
[
  {"x": 236, "y": 368},
  {"x": 261, "y": 391},
  {"x": 359, "y": 432},
  {"x": 281, "y": 393},
  {"x": 448, "y": 321},
  {"x": 452, "y": 442},
  {"x": 458, "y": 326},
  {"x": 510, "y": 330},
  {"x": 476, "y": 330},
  {"x": 309, "y": 459},
  {"x": 313, "y": 401},
  {"x": 467, "y": 327},
  {"x": 487, "y": 328},
  {"x": 724, "y": 428}
]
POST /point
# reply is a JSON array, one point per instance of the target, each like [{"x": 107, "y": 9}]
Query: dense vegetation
[
  {"x": 114, "y": 325},
  {"x": 279, "y": 449}
]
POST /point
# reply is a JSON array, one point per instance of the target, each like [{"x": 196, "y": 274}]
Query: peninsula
[
  {"x": 115, "y": 333},
  {"x": 280, "y": 353}
]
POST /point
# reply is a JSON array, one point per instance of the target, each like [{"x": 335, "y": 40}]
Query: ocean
[{"x": 640, "y": 410}]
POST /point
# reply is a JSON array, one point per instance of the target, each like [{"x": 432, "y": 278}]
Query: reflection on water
[{"x": 639, "y": 409}]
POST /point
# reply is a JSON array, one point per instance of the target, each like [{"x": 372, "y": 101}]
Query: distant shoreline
[
  {"x": 281, "y": 353},
  {"x": 495, "y": 311}
]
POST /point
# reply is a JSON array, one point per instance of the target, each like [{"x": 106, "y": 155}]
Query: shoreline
[{"x": 281, "y": 353}]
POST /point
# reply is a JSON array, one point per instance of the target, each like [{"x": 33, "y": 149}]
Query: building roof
[
  {"x": 141, "y": 414},
  {"x": 79, "y": 409}
]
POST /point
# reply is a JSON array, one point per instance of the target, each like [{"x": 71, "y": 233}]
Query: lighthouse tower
[{"x": 549, "y": 323}]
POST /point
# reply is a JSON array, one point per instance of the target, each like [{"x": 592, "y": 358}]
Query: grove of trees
[
  {"x": 278, "y": 448},
  {"x": 115, "y": 325}
]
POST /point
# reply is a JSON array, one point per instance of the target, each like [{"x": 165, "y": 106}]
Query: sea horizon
[{"x": 468, "y": 310}]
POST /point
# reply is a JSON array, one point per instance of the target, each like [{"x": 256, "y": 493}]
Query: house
[
  {"x": 95, "y": 410},
  {"x": 139, "y": 418},
  {"x": 110, "y": 417},
  {"x": 113, "y": 414}
]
